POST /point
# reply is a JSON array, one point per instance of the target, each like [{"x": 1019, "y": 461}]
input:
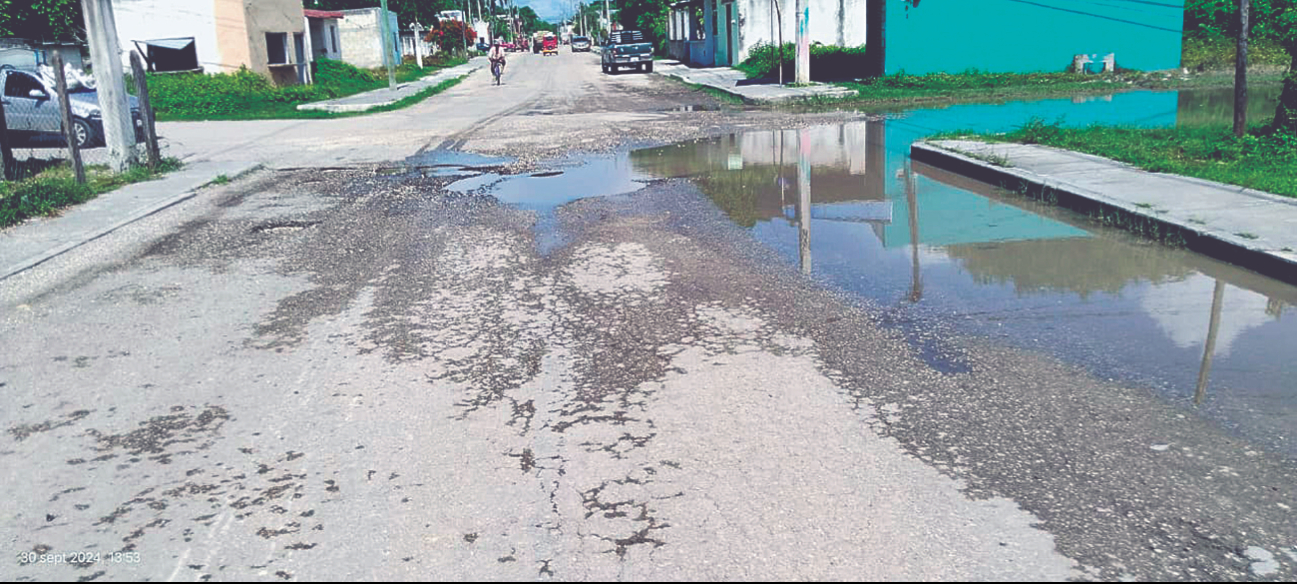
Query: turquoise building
[{"x": 952, "y": 36}]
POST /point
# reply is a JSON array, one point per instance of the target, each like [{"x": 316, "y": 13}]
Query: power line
[{"x": 1121, "y": 20}]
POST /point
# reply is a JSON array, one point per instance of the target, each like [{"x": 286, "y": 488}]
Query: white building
[
  {"x": 731, "y": 28},
  {"x": 362, "y": 37},
  {"x": 216, "y": 36}
]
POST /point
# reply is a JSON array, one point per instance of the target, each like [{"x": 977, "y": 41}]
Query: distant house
[
  {"x": 29, "y": 54},
  {"x": 322, "y": 34},
  {"x": 927, "y": 36},
  {"x": 362, "y": 35},
  {"x": 729, "y": 30},
  {"x": 216, "y": 36}
]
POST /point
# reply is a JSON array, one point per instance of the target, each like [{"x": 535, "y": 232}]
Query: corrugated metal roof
[
  {"x": 323, "y": 13},
  {"x": 173, "y": 44}
]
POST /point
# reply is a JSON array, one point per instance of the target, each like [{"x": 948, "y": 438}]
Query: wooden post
[
  {"x": 7, "y": 165},
  {"x": 65, "y": 110},
  {"x": 146, "y": 110},
  {"x": 1240, "y": 72}
]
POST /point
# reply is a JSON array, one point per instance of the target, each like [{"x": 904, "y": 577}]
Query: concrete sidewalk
[
  {"x": 380, "y": 97},
  {"x": 33, "y": 242},
  {"x": 727, "y": 79},
  {"x": 1249, "y": 228}
]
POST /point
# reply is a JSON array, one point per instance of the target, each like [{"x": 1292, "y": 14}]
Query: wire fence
[{"x": 38, "y": 109}]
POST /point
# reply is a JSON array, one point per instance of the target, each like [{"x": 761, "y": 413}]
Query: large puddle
[{"x": 938, "y": 252}]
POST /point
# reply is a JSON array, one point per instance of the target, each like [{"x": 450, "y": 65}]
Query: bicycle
[{"x": 497, "y": 68}]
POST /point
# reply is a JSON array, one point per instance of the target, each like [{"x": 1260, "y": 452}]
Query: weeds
[
  {"x": 56, "y": 187},
  {"x": 245, "y": 95},
  {"x": 1262, "y": 159}
]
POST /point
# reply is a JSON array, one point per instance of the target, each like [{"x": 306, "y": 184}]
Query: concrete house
[
  {"x": 927, "y": 36},
  {"x": 216, "y": 36},
  {"x": 29, "y": 54},
  {"x": 362, "y": 35},
  {"x": 322, "y": 34},
  {"x": 721, "y": 33}
]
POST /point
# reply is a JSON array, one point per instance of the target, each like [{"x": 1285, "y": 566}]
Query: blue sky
[{"x": 550, "y": 10}]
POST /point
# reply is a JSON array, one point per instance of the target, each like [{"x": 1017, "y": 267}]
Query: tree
[
  {"x": 647, "y": 16},
  {"x": 1285, "y": 116},
  {"x": 450, "y": 34},
  {"x": 42, "y": 20}
]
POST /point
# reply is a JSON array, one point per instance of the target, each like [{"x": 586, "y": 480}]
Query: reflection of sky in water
[
  {"x": 1118, "y": 305},
  {"x": 1179, "y": 309}
]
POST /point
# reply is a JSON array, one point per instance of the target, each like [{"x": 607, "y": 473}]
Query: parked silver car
[{"x": 32, "y": 110}]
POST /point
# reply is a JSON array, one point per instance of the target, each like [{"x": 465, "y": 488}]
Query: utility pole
[
  {"x": 1240, "y": 72},
  {"x": 119, "y": 131},
  {"x": 802, "y": 69},
  {"x": 385, "y": 29}
]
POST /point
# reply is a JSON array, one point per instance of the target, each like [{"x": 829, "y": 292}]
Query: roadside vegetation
[
  {"x": 49, "y": 189},
  {"x": 1264, "y": 159},
  {"x": 244, "y": 95},
  {"x": 828, "y": 63}
]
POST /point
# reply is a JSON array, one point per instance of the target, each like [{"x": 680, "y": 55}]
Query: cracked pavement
[{"x": 351, "y": 373}]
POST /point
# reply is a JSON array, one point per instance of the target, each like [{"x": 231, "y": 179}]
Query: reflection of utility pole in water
[
  {"x": 1216, "y": 298},
  {"x": 912, "y": 201},
  {"x": 804, "y": 198}
]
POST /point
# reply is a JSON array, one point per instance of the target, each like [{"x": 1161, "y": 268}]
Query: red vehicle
[{"x": 549, "y": 46}]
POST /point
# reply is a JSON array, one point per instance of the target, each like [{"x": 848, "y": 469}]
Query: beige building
[{"x": 217, "y": 36}]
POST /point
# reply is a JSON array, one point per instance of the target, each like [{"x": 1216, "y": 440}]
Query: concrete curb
[
  {"x": 419, "y": 85},
  {"x": 143, "y": 212},
  {"x": 1200, "y": 238},
  {"x": 678, "y": 76},
  {"x": 784, "y": 94}
]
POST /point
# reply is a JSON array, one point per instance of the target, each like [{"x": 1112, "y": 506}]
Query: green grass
[
  {"x": 245, "y": 95},
  {"x": 56, "y": 187},
  {"x": 1260, "y": 160},
  {"x": 1208, "y": 53},
  {"x": 978, "y": 86}
]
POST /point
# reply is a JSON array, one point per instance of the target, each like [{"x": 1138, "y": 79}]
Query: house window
[
  {"x": 277, "y": 47},
  {"x": 170, "y": 54},
  {"x": 333, "y": 30}
]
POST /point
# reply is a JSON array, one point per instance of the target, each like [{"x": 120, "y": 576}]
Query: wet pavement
[{"x": 837, "y": 366}]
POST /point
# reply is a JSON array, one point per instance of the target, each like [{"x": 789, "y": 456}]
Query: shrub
[{"x": 828, "y": 62}]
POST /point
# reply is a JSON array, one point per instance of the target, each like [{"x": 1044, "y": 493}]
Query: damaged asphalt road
[{"x": 337, "y": 374}]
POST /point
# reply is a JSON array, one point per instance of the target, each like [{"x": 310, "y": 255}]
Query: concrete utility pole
[
  {"x": 385, "y": 28},
  {"x": 418, "y": 43},
  {"x": 1240, "y": 72},
  {"x": 802, "y": 69},
  {"x": 119, "y": 131}
]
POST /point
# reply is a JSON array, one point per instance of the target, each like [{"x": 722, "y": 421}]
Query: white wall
[
  {"x": 833, "y": 22},
  {"x": 360, "y": 33},
  {"x": 141, "y": 20}
]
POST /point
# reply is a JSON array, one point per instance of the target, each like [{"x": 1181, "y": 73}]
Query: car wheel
[
  {"x": 648, "y": 67},
  {"x": 83, "y": 133}
]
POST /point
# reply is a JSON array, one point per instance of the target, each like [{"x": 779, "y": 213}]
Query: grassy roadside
[
  {"x": 1260, "y": 160},
  {"x": 55, "y": 187},
  {"x": 245, "y": 95},
  {"x": 973, "y": 86}
]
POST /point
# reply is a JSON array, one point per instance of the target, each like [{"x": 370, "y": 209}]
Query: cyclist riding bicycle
[{"x": 497, "y": 60}]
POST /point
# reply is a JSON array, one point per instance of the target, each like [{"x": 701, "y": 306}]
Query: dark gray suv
[{"x": 32, "y": 110}]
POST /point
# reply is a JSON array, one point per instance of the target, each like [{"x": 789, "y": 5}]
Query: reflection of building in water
[{"x": 753, "y": 177}]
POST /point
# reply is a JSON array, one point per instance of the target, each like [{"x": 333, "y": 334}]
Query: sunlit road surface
[{"x": 348, "y": 368}]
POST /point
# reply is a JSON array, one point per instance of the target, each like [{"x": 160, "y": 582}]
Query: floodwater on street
[{"x": 938, "y": 253}]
